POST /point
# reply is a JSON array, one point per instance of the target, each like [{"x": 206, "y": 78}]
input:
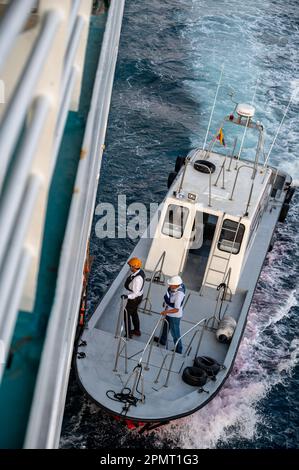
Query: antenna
[
  {"x": 212, "y": 112},
  {"x": 231, "y": 94},
  {"x": 280, "y": 125},
  {"x": 255, "y": 89}
]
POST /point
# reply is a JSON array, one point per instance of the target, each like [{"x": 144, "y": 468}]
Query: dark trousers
[{"x": 131, "y": 312}]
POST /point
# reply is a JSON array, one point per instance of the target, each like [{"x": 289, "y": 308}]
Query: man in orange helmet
[{"x": 134, "y": 292}]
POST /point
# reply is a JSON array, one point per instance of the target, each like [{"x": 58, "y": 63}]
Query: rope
[{"x": 126, "y": 396}]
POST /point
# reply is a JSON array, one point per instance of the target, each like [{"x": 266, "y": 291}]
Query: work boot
[{"x": 136, "y": 332}]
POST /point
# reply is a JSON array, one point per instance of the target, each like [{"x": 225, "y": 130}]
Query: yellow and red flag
[{"x": 220, "y": 137}]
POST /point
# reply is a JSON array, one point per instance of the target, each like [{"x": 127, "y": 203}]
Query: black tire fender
[
  {"x": 208, "y": 364},
  {"x": 180, "y": 161},
  {"x": 171, "y": 177},
  {"x": 284, "y": 212},
  {"x": 204, "y": 166},
  {"x": 290, "y": 194},
  {"x": 194, "y": 376}
]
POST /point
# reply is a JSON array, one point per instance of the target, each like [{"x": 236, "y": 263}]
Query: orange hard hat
[{"x": 135, "y": 263}]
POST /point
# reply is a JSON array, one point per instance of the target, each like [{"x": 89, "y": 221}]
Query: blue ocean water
[{"x": 170, "y": 58}]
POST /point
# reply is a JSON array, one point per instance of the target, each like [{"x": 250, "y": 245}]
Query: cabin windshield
[{"x": 175, "y": 221}]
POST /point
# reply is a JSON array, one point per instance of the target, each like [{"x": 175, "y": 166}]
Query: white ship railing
[
  {"x": 48, "y": 407},
  {"x": 39, "y": 63}
]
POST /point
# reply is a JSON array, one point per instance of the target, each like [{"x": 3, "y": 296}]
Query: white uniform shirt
[
  {"x": 136, "y": 285},
  {"x": 176, "y": 297}
]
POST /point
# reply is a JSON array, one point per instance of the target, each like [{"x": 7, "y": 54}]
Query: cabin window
[
  {"x": 230, "y": 241},
  {"x": 175, "y": 221}
]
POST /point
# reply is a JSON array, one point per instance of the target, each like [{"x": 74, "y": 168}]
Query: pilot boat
[{"x": 214, "y": 229}]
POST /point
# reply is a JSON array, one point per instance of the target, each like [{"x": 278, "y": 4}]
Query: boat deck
[{"x": 97, "y": 372}]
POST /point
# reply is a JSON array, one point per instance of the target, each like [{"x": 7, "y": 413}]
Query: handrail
[
  {"x": 221, "y": 297},
  {"x": 30, "y": 114},
  {"x": 121, "y": 311},
  {"x": 14, "y": 18},
  {"x": 228, "y": 274},
  {"x": 222, "y": 170},
  {"x": 119, "y": 351},
  {"x": 150, "y": 340},
  {"x": 13, "y": 195},
  {"x": 155, "y": 271},
  {"x": 7, "y": 277},
  {"x": 175, "y": 346},
  {"x": 18, "y": 106},
  {"x": 137, "y": 370},
  {"x": 232, "y": 154},
  {"x": 237, "y": 174}
]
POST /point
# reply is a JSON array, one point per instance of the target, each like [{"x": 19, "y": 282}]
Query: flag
[{"x": 220, "y": 137}]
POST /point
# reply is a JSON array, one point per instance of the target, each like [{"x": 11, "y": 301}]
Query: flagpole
[
  {"x": 255, "y": 90},
  {"x": 214, "y": 104}
]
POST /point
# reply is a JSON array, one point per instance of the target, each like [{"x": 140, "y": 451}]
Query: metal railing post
[
  {"x": 155, "y": 271},
  {"x": 121, "y": 310},
  {"x": 235, "y": 182},
  {"x": 152, "y": 341},
  {"x": 175, "y": 346},
  {"x": 233, "y": 152}
]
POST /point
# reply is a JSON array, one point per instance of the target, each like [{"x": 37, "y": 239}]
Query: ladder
[{"x": 218, "y": 264}]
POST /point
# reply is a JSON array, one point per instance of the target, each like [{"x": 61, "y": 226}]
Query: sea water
[{"x": 170, "y": 60}]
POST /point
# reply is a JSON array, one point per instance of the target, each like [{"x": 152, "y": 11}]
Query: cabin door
[
  {"x": 199, "y": 249},
  {"x": 172, "y": 237}
]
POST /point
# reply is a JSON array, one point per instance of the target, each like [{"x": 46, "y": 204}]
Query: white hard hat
[{"x": 175, "y": 281}]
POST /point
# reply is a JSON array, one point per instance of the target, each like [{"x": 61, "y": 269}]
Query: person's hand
[
  {"x": 123, "y": 296},
  {"x": 164, "y": 312}
]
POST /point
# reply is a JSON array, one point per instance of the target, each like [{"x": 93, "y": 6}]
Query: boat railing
[
  {"x": 222, "y": 170},
  {"x": 138, "y": 369},
  {"x": 156, "y": 274},
  {"x": 122, "y": 340},
  {"x": 149, "y": 344},
  {"x": 221, "y": 296},
  {"x": 121, "y": 316},
  {"x": 198, "y": 327},
  {"x": 251, "y": 187}
]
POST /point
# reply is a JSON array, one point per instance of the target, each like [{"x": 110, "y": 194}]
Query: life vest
[
  {"x": 132, "y": 276},
  {"x": 182, "y": 288}
]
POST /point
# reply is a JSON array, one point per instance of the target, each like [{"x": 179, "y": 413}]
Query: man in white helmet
[{"x": 173, "y": 302}]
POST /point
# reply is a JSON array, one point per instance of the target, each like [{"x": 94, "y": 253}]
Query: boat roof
[{"x": 197, "y": 183}]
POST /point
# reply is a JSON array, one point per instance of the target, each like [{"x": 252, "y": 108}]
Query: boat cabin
[{"x": 211, "y": 214}]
